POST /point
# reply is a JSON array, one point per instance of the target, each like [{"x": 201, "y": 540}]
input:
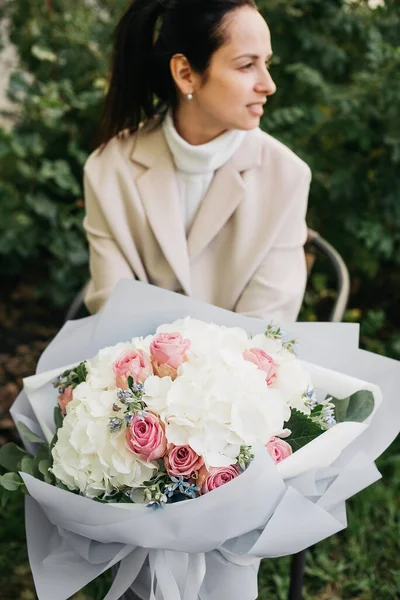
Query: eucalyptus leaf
[
  {"x": 28, "y": 435},
  {"x": 27, "y": 465},
  {"x": 355, "y": 408},
  {"x": 43, "y": 454},
  {"x": 62, "y": 486},
  {"x": 341, "y": 407},
  {"x": 43, "y": 460},
  {"x": 44, "y": 466},
  {"x": 10, "y": 456},
  {"x": 11, "y": 482},
  {"x": 361, "y": 406},
  {"x": 5, "y": 496}
]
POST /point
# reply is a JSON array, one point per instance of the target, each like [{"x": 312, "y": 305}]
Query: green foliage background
[{"x": 336, "y": 66}]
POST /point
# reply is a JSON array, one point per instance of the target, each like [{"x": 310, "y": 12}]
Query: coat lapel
[
  {"x": 158, "y": 189},
  {"x": 224, "y": 195}
]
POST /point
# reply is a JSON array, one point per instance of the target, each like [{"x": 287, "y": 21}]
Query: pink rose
[
  {"x": 65, "y": 398},
  {"x": 215, "y": 477},
  {"x": 168, "y": 352},
  {"x": 145, "y": 436},
  {"x": 264, "y": 362},
  {"x": 182, "y": 460},
  {"x": 278, "y": 449},
  {"x": 133, "y": 363}
]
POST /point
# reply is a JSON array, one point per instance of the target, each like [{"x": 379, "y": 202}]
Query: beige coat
[{"x": 244, "y": 251}]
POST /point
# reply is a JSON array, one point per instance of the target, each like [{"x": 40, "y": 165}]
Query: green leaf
[
  {"x": 81, "y": 371},
  {"x": 53, "y": 442},
  {"x": 42, "y": 206},
  {"x": 58, "y": 417},
  {"x": 28, "y": 435},
  {"x": 43, "y": 53},
  {"x": 62, "y": 486},
  {"x": 4, "y": 497},
  {"x": 316, "y": 411},
  {"x": 355, "y": 408},
  {"x": 66, "y": 373},
  {"x": 42, "y": 454},
  {"x": 341, "y": 407},
  {"x": 44, "y": 466},
  {"x": 27, "y": 465},
  {"x": 10, "y": 456},
  {"x": 11, "y": 482},
  {"x": 75, "y": 376},
  {"x": 303, "y": 429}
]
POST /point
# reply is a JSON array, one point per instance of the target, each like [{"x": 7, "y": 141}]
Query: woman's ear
[{"x": 182, "y": 74}]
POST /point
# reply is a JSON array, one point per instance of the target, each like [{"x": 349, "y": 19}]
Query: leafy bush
[
  {"x": 336, "y": 66},
  {"x": 63, "y": 48},
  {"x": 337, "y": 106}
]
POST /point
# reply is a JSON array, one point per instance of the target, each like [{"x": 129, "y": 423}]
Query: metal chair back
[{"x": 317, "y": 244}]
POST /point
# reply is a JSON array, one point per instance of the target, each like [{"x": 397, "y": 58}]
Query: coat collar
[
  {"x": 150, "y": 144},
  {"x": 158, "y": 189}
]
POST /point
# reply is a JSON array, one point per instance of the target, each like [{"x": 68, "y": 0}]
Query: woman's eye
[{"x": 247, "y": 66}]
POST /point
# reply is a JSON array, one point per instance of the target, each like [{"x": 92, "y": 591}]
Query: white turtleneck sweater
[{"x": 195, "y": 165}]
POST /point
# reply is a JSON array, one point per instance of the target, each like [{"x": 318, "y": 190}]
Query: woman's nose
[{"x": 266, "y": 85}]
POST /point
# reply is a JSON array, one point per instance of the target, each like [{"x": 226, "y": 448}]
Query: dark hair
[{"x": 147, "y": 36}]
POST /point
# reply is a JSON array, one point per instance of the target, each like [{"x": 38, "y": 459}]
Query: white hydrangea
[
  {"x": 293, "y": 380},
  {"x": 87, "y": 456}
]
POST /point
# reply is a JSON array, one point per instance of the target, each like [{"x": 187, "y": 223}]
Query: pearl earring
[{"x": 189, "y": 96}]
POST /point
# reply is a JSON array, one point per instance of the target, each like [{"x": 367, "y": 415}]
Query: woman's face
[{"x": 233, "y": 93}]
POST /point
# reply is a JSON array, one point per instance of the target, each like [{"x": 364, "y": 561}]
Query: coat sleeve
[
  {"x": 106, "y": 260},
  {"x": 276, "y": 289}
]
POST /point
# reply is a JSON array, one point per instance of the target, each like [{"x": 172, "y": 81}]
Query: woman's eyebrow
[{"x": 253, "y": 56}]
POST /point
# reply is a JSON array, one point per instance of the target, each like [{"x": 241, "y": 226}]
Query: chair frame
[
  {"x": 343, "y": 292},
  {"x": 342, "y": 274}
]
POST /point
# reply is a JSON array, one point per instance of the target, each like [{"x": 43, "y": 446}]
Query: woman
[{"x": 196, "y": 199}]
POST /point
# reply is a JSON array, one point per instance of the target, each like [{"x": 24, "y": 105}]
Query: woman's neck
[
  {"x": 192, "y": 127},
  {"x": 200, "y": 158}
]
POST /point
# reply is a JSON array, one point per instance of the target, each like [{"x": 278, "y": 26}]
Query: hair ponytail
[
  {"x": 147, "y": 36},
  {"x": 130, "y": 92}
]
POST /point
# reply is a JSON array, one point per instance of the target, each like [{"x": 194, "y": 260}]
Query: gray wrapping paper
[{"x": 208, "y": 548}]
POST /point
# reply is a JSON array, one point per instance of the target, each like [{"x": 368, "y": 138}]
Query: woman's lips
[{"x": 256, "y": 109}]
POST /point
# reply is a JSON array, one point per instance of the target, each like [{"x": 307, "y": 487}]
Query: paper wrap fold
[{"x": 207, "y": 548}]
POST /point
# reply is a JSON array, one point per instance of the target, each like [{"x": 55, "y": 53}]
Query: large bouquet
[
  {"x": 264, "y": 447},
  {"x": 176, "y": 414}
]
